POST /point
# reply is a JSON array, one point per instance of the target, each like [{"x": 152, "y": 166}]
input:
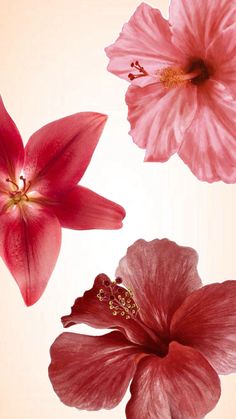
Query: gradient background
[{"x": 53, "y": 65}]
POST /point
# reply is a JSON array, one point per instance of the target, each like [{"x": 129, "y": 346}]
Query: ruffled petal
[
  {"x": 92, "y": 372},
  {"x": 182, "y": 385},
  {"x": 195, "y": 24},
  {"x": 156, "y": 124},
  {"x": 31, "y": 240},
  {"x": 206, "y": 321},
  {"x": 90, "y": 310},
  {"x": 58, "y": 154},
  {"x": 160, "y": 274},
  {"x": 222, "y": 53},
  {"x": 83, "y": 209},
  {"x": 11, "y": 148},
  {"x": 146, "y": 38},
  {"x": 209, "y": 144}
]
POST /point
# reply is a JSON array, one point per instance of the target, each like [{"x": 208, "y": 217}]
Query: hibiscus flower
[
  {"x": 182, "y": 97},
  {"x": 39, "y": 195},
  {"x": 173, "y": 337}
]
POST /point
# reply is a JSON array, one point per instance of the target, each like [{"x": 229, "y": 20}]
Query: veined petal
[
  {"x": 11, "y": 148},
  {"x": 31, "y": 240},
  {"x": 182, "y": 385},
  {"x": 146, "y": 38},
  {"x": 156, "y": 124},
  {"x": 222, "y": 52},
  {"x": 90, "y": 310},
  {"x": 58, "y": 154},
  {"x": 160, "y": 274},
  {"x": 206, "y": 321},
  {"x": 209, "y": 144},
  {"x": 92, "y": 372},
  {"x": 83, "y": 209},
  {"x": 195, "y": 24}
]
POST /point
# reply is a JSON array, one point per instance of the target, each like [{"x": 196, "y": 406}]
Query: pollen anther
[
  {"x": 120, "y": 300},
  {"x": 172, "y": 77}
]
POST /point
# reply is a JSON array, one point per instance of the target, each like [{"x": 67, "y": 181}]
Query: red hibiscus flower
[
  {"x": 183, "y": 75},
  {"x": 39, "y": 195},
  {"x": 173, "y": 337}
]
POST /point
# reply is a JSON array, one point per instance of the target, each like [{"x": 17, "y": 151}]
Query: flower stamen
[
  {"x": 19, "y": 194},
  {"x": 173, "y": 77},
  {"x": 141, "y": 71},
  {"x": 120, "y": 299}
]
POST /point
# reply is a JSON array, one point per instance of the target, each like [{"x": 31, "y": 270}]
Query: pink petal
[
  {"x": 206, "y": 321},
  {"x": 92, "y": 372},
  {"x": 58, "y": 154},
  {"x": 209, "y": 144},
  {"x": 195, "y": 24},
  {"x": 146, "y": 38},
  {"x": 95, "y": 313},
  {"x": 82, "y": 209},
  {"x": 222, "y": 53},
  {"x": 160, "y": 274},
  {"x": 182, "y": 385},
  {"x": 11, "y": 148},
  {"x": 31, "y": 241},
  {"x": 156, "y": 124}
]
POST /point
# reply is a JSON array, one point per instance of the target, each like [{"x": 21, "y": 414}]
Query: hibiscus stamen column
[{"x": 121, "y": 303}]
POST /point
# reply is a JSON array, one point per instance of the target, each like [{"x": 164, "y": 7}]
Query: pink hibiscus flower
[
  {"x": 39, "y": 195},
  {"x": 182, "y": 97},
  {"x": 173, "y": 337}
]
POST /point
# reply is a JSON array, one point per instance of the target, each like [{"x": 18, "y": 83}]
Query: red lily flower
[
  {"x": 39, "y": 195},
  {"x": 173, "y": 337},
  {"x": 183, "y": 84}
]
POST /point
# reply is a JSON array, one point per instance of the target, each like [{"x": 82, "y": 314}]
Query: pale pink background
[{"x": 52, "y": 65}]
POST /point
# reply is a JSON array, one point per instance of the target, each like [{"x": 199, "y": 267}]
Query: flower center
[
  {"x": 203, "y": 69},
  {"x": 197, "y": 72},
  {"x": 119, "y": 299},
  {"x": 18, "y": 194}
]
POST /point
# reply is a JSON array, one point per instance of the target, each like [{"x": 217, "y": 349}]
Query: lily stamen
[{"x": 13, "y": 183}]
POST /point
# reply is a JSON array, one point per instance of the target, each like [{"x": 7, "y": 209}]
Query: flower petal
[
  {"x": 58, "y": 154},
  {"x": 156, "y": 124},
  {"x": 182, "y": 385},
  {"x": 83, "y": 209},
  {"x": 95, "y": 313},
  {"x": 196, "y": 24},
  {"x": 206, "y": 321},
  {"x": 146, "y": 38},
  {"x": 11, "y": 147},
  {"x": 160, "y": 274},
  {"x": 31, "y": 240},
  {"x": 222, "y": 52},
  {"x": 209, "y": 144},
  {"x": 92, "y": 372}
]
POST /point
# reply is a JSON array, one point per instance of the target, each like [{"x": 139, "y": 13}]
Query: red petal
[
  {"x": 222, "y": 52},
  {"x": 156, "y": 124},
  {"x": 196, "y": 24},
  {"x": 161, "y": 274},
  {"x": 93, "y": 312},
  {"x": 209, "y": 146},
  {"x": 31, "y": 242},
  {"x": 92, "y": 372},
  {"x": 146, "y": 38},
  {"x": 58, "y": 154},
  {"x": 82, "y": 209},
  {"x": 206, "y": 321},
  {"x": 11, "y": 149},
  {"x": 181, "y": 385}
]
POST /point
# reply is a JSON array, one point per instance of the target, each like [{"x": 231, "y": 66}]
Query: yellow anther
[{"x": 172, "y": 77}]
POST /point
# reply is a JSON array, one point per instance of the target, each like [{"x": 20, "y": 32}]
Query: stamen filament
[{"x": 11, "y": 181}]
